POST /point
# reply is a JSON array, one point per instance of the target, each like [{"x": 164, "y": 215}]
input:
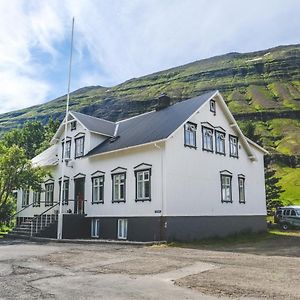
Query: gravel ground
[{"x": 102, "y": 271}]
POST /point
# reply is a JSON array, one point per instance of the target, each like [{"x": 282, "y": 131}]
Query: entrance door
[{"x": 79, "y": 195}]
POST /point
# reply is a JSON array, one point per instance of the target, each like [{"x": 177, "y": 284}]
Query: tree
[
  {"x": 273, "y": 189},
  {"x": 16, "y": 172},
  {"x": 248, "y": 129},
  {"x": 30, "y": 137}
]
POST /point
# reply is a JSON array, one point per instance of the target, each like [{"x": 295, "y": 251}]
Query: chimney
[{"x": 163, "y": 101}]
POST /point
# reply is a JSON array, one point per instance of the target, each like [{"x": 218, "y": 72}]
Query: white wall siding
[{"x": 193, "y": 175}]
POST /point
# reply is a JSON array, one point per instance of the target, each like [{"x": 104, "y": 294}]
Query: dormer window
[
  {"x": 190, "y": 134},
  {"x": 79, "y": 147},
  {"x": 73, "y": 125},
  {"x": 212, "y": 106},
  {"x": 67, "y": 153}
]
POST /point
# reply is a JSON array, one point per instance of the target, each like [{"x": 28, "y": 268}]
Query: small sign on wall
[{"x": 158, "y": 211}]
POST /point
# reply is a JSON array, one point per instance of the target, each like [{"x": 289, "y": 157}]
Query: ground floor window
[
  {"x": 95, "y": 228},
  {"x": 25, "y": 198},
  {"x": 241, "y": 182},
  {"x": 226, "y": 188},
  {"x": 49, "y": 195},
  {"x": 36, "y": 199},
  {"x": 122, "y": 229}
]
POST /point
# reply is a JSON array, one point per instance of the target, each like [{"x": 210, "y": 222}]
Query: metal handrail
[
  {"x": 39, "y": 216},
  {"x": 10, "y": 217}
]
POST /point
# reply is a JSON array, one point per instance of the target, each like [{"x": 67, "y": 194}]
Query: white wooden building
[{"x": 181, "y": 172}]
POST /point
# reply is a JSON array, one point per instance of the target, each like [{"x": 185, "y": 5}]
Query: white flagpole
[{"x": 60, "y": 215}]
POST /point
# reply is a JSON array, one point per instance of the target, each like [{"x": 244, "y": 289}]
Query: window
[
  {"x": 65, "y": 192},
  {"x": 190, "y": 135},
  {"x": 49, "y": 189},
  {"x": 293, "y": 213},
  {"x": 36, "y": 199},
  {"x": 98, "y": 189},
  {"x": 233, "y": 146},
  {"x": 67, "y": 152},
  {"x": 25, "y": 198},
  {"x": 122, "y": 229},
  {"x": 220, "y": 142},
  {"x": 79, "y": 147},
  {"x": 73, "y": 125},
  {"x": 226, "y": 189},
  {"x": 143, "y": 185},
  {"x": 118, "y": 181},
  {"x": 212, "y": 106},
  {"x": 95, "y": 228},
  {"x": 241, "y": 182},
  {"x": 207, "y": 139}
]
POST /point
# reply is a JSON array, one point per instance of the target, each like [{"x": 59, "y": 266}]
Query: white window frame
[
  {"x": 49, "y": 194},
  {"x": 207, "y": 139},
  {"x": 66, "y": 192},
  {"x": 242, "y": 190},
  {"x": 233, "y": 146},
  {"x": 98, "y": 189},
  {"x": 226, "y": 188},
  {"x": 143, "y": 177},
  {"x": 36, "y": 199},
  {"x": 95, "y": 228},
  {"x": 190, "y": 135},
  {"x": 220, "y": 142},
  {"x": 118, "y": 183},
  {"x": 25, "y": 198},
  {"x": 79, "y": 146},
  {"x": 122, "y": 229}
]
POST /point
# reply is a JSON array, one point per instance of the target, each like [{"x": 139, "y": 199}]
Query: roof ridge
[
  {"x": 145, "y": 113},
  {"x": 77, "y": 112}
]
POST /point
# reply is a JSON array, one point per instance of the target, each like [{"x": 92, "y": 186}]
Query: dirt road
[{"x": 102, "y": 271}]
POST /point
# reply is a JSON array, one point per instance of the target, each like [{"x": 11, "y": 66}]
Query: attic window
[
  {"x": 73, "y": 125},
  {"x": 212, "y": 106}
]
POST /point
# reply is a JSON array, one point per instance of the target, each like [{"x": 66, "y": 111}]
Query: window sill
[
  {"x": 190, "y": 146},
  {"x": 207, "y": 150},
  {"x": 118, "y": 201},
  {"x": 223, "y": 201},
  {"x": 234, "y": 156},
  {"x": 220, "y": 153},
  {"x": 242, "y": 202},
  {"x": 143, "y": 200},
  {"x": 98, "y": 202}
]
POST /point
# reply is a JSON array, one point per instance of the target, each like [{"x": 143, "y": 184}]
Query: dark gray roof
[
  {"x": 95, "y": 124},
  {"x": 152, "y": 126}
]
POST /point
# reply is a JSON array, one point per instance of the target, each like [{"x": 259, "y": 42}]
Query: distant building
[{"x": 181, "y": 172}]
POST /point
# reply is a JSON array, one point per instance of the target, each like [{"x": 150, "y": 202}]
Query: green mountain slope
[{"x": 262, "y": 86}]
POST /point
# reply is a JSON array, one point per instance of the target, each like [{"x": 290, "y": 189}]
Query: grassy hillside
[{"x": 262, "y": 86}]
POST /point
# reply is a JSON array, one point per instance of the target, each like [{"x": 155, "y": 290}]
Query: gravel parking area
[{"x": 31, "y": 270}]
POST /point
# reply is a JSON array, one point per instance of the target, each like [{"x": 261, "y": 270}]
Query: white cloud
[{"x": 117, "y": 40}]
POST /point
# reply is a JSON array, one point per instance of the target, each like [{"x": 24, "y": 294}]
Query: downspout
[{"x": 162, "y": 188}]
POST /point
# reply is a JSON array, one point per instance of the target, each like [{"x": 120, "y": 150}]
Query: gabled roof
[
  {"x": 94, "y": 124},
  {"x": 46, "y": 158},
  {"x": 152, "y": 126}
]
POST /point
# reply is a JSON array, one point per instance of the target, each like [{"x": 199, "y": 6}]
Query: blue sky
[{"x": 118, "y": 40}]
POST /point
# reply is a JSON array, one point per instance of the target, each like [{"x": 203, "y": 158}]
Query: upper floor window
[
  {"x": 73, "y": 125},
  {"x": 79, "y": 146},
  {"x": 98, "y": 189},
  {"x": 220, "y": 142},
  {"x": 207, "y": 139},
  {"x": 65, "y": 192},
  {"x": 241, "y": 182},
  {"x": 233, "y": 146},
  {"x": 226, "y": 188},
  {"x": 118, "y": 187},
  {"x": 49, "y": 194},
  {"x": 25, "y": 198},
  {"x": 212, "y": 106},
  {"x": 190, "y": 134},
  {"x": 67, "y": 152},
  {"x": 36, "y": 199},
  {"x": 143, "y": 185}
]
